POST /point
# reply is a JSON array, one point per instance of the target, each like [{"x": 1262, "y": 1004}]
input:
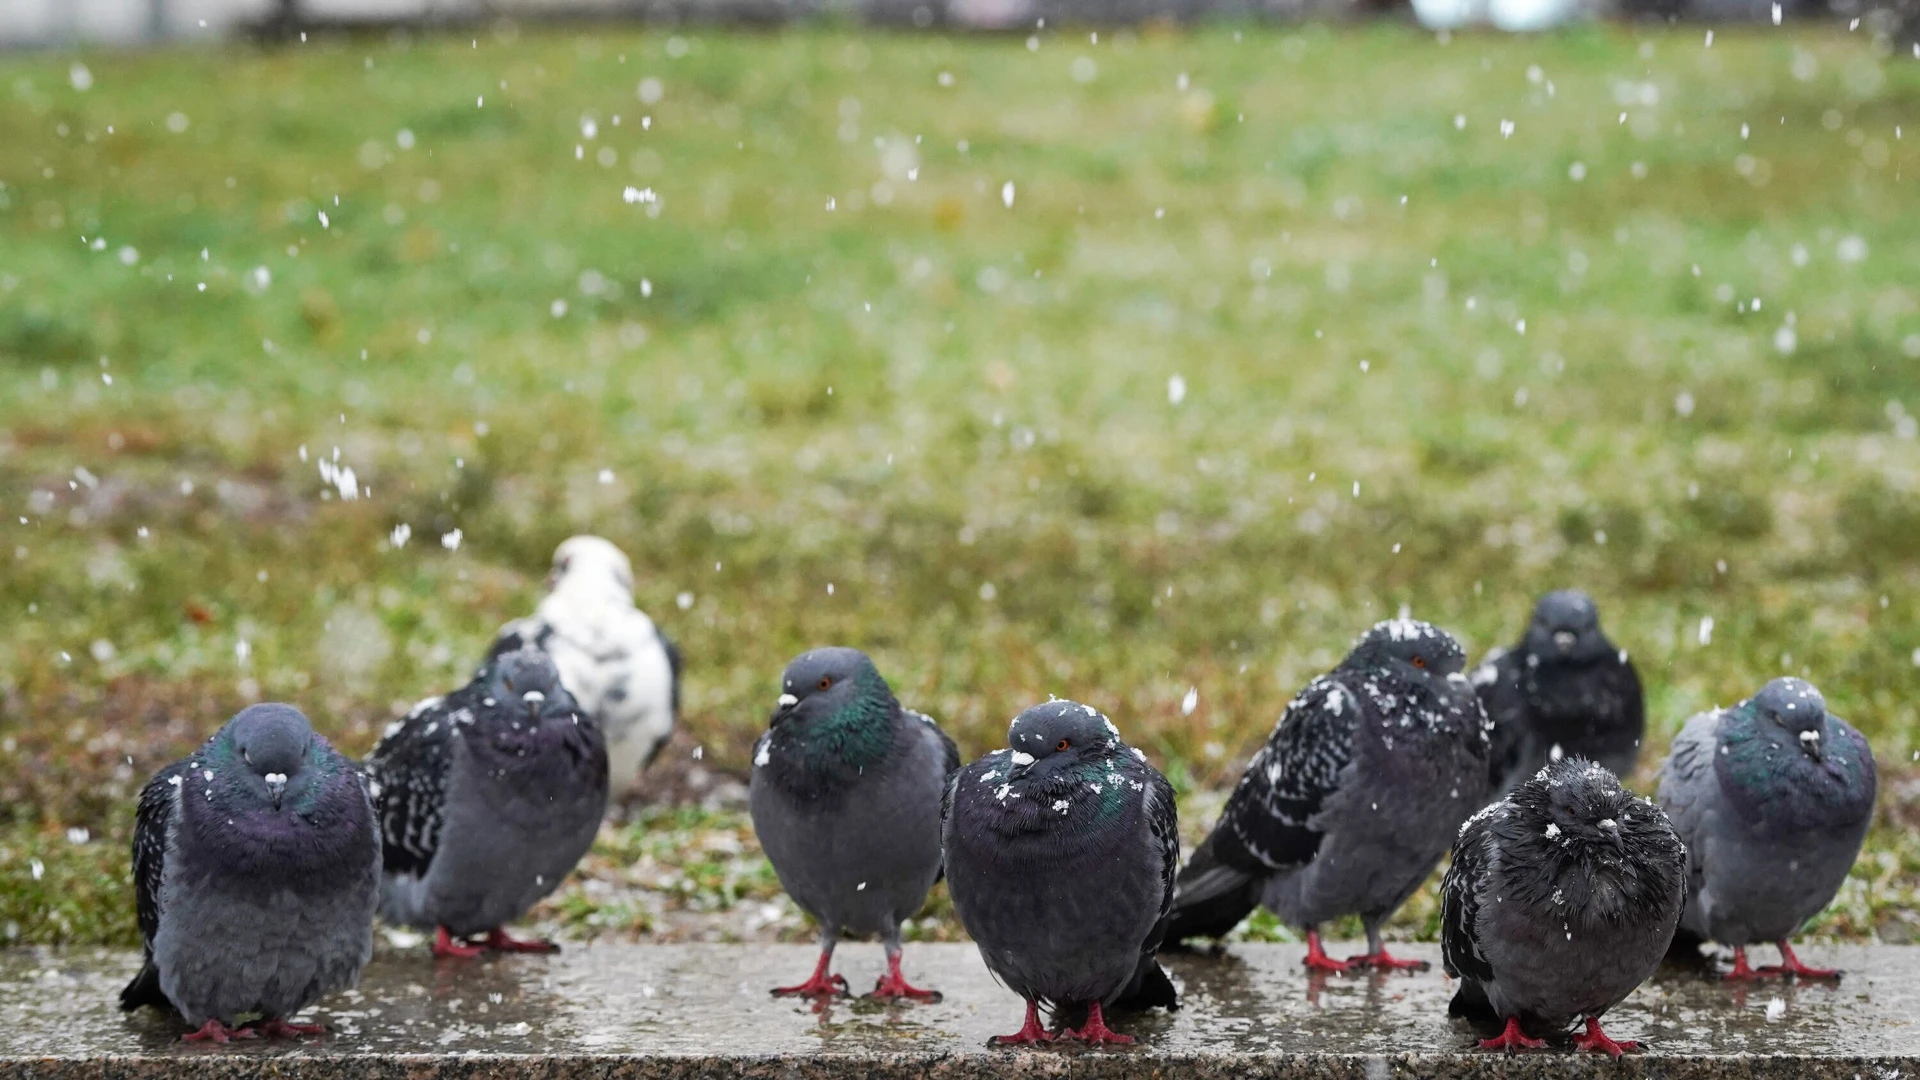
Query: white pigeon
[{"x": 615, "y": 662}]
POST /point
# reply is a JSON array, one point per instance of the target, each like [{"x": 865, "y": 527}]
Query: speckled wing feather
[
  {"x": 1498, "y": 683},
  {"x": 1460, "y": 902},
  {"x": 1290, "y": 778},
  {"x": 1264, "y": 827},
  {"x": 151, "y": 824},
  {"x": 408, "y": 775}
]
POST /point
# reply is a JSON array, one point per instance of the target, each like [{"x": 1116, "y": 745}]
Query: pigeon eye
[
  {"x": 1419, "y": 661},
  {"x": 1062, "y": 745},
  {"x": 826, "y": 681}
]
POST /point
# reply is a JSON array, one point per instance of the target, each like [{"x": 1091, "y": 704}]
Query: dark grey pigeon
[
  {"x": 1773, "y": 798},
  {"x": 1061, "y": 852},
  {"x": 1564, "y": 691},
  {"x": 1353, "y": 799},
  {"x": 256, "y": 866},
  {"x": 488, "y": 798},
  {"x": 1560, "y": 900},
  {"x": 846, "y": 802}
]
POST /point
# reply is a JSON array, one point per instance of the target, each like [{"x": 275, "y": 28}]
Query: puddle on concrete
[{"x": 700, "y": 1000}]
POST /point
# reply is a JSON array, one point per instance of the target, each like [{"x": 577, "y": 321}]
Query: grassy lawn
[{"x": 1102, "y": 369}]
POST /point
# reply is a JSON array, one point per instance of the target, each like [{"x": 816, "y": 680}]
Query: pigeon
[
  {"x": 845, "y": 796},
  {"x": 1564, "y": 691},
  {"x": 621, "y": 670},
  {"x": 1061, "y": 853},
  {"x": 1561, "y": 899},
  {"x": 487, "y": 799},
  {"x": 1353, "y": 799},
  {"x": 256, "y": 867},
  {"x": 1773, "y": 797}
]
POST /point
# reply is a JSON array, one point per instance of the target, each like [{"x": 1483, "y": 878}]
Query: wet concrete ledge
[{"x": 611, "y": 1012}]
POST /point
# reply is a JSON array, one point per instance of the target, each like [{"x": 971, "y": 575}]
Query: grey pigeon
[
  {"x": 845, "y": 795},
  {"x": 1061, "y": 852},
  {"x": 1564, "y": 691},
  {"x": 1353, "y": 799},
  {"x": 1773, "y": 797},
  {"x": 256, "y": 866},
  {"x": 1560, "y": 900},
  {"x": 621, "y": 670},
  {"x": 487, "y": 798}
]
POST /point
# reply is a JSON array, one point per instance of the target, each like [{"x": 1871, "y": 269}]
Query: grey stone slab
[{"x": 646, "y": 1011}]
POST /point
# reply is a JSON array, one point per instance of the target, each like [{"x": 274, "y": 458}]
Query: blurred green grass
[{"x": 1455, "y": 323}]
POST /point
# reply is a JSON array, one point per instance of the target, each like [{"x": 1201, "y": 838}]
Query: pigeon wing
[
  {"x": 1689, "y": 788},
  {"x": 1497, "y": 682},
  {"x": 1271, "y": 810},
  {"x": 1460, "y": 905},
  {"x": 408, "y": 771},
  {"x": 151, "y": 823}
]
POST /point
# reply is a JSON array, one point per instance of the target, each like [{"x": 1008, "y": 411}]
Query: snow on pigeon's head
[
  {"x": 1795, "y": 706},
  {"x": 1566, "y": 626},
  {"x": 1049, "y": 737},
  {"x": 1574, "y": 826},
  {"x": 591, "y": 563},
  {"x": 1409, "y": 647}
]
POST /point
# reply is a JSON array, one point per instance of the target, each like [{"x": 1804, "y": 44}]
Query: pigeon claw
[
  {"x": 1741, "y": 972},
  {"x": 1512, "y": 1038},
  {"x": 821, "y": 985},
  {"x": 499, "y": 941},
  {"x": 1095, "y": 1031},
  {"x": 281, "y": 1029},
  {"x": 1595, "y": 1041},
  {"x": 1383, "y": 961},
  {"x": 1791, "y": 965},
  {"x": 1317, "y": 958},
  {"x": 1030, "y": 1033},
  {"x": 444, "y": 944},
  {"x": 895, "y": 985},
  {"x": 214, "y": 1031}
]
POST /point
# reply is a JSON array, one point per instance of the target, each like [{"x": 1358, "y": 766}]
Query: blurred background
[{"x": 1138, "y": 353}]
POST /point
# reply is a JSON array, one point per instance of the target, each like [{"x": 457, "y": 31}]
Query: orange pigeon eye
[
  {"x": 1419, "y": 661},
  {"x": 1062, "y": 745},
  {"x": 826, "y": 681}
]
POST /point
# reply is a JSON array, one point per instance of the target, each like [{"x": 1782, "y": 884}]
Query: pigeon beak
[
  {"x": 1612, "y": 830},
  {"x": 1022, "y": 764},
  {"x": 276, "y": 787},
  {"x": 1564, "y": 641},
  {"x": 1810, "y": 745},
  {"x": 783, "y": 708}
]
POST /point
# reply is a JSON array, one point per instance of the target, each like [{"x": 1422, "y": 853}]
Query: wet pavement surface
[{"x": 685, "y": 1010}]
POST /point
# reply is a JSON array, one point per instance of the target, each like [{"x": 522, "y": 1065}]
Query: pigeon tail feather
[
  {"x": 1150, "y": 988},
  {"x": 1471, "y": 1001},
  {"x": 144, "y": 989},
  {"x": 1212, "y": 896}
]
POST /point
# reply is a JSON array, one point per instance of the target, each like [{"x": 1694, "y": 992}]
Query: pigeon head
[
  {"x": 273, "y": 745},
  {"x": 1052, "y": 740},
  {"x": 1797, "y": 711},
  {"x": 524, "y": 693},
  {"x": 1584, "y": 804},
  {"x": 1566, "y": 628},
  {"x": 836, "y": 709},
  {"x": 590, "y": 564},
  {"x": 1412, "y": 650},
  {"x": 1591, "y": 850},
  {"x": 822, "y": 683}
]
